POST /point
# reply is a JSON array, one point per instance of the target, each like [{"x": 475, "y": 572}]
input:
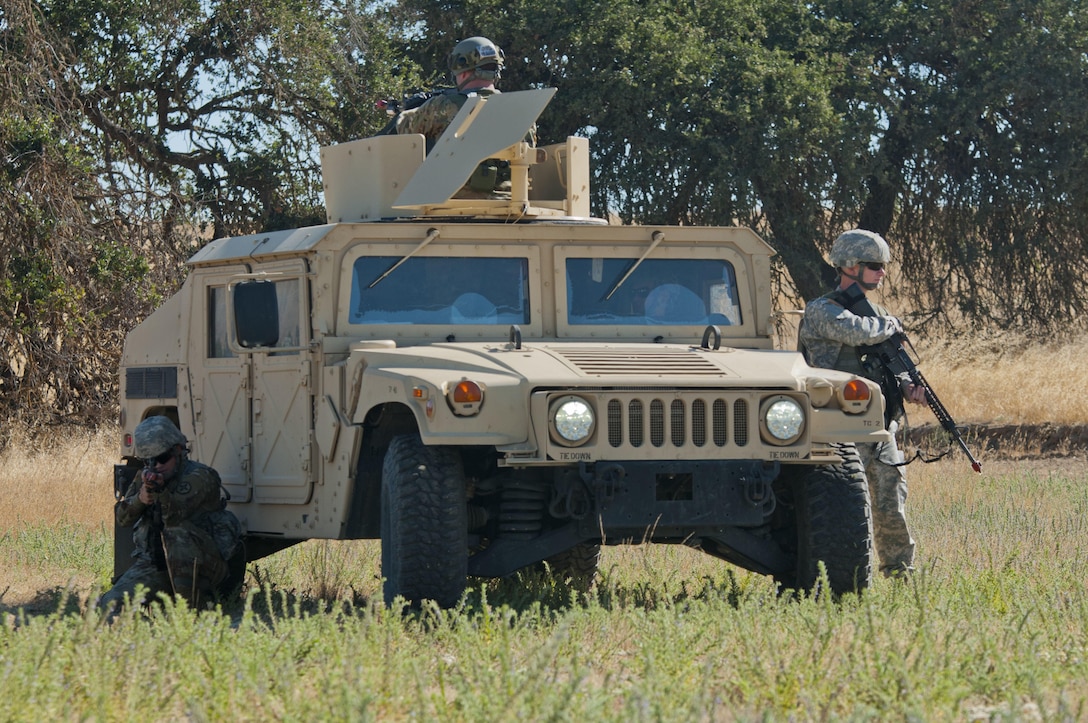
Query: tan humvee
[{"x": 488, "y": 384}]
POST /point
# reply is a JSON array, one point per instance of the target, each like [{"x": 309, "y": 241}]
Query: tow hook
[
  {"x": 604, "y": 481},
  {"x": 757, "y": 487}
]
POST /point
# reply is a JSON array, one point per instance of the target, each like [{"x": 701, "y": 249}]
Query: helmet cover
[
  {"x": 155, "y": 435},
  {"x": 479, "y": 55},
  {"x": 858, "y": 246}
]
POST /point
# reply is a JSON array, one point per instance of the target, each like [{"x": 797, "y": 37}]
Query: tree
[
  {"x": 131, "y": 132},
  {"x": 980, "y": 176},
  {"x": 699, "y": 112},
  {"x": 61, "y": 257},
  {"x": 953, "y": 127},
  {"x": 223, "y": 104}
]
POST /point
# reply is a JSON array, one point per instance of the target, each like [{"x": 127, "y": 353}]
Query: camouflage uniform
[
  {"x": 434, "y": 116},
  {"x": 491, "y": 179},
  {"x": 829, "y": 336},
  {"x": 184, "y": 539},
  {"x": 478, "y": 62}
]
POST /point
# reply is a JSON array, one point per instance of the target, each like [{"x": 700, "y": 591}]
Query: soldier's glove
[{"x": 153, "y": 482}]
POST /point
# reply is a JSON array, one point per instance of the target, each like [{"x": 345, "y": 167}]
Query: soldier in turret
[{"x": 475, "y": 65}]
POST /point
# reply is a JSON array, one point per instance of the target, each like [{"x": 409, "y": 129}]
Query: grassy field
[{"x": 993, "y": 626}]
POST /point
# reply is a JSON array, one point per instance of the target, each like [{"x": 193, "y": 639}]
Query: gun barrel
[{"x": 945, "y": 418}]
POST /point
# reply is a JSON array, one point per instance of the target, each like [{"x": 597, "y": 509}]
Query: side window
[
  {"x": 287, "y": 304},
  {"x": 287, "y": 298},
  {"x": 218, "y": 345}
]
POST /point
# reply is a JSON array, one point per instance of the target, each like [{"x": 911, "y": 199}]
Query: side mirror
[{"x": 256, "y": 314}]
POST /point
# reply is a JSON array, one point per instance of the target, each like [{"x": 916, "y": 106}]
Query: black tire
[
  {"x": 833, "y": 524},
  {"x": 577, "y": 566},
  {"x": 424, "y": 523}
]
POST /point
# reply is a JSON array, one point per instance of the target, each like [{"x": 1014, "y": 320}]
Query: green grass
[{"x": 993, "y": 626}]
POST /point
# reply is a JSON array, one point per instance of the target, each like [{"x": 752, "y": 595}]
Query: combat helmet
[
  {"x": 858, "y": 246},
  {"x": 479, "y": 55},
  {"x": 155, "y": 435}
]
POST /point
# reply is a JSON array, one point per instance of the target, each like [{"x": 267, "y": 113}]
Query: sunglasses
[
  {"x": 164, "y": 457},
  {"x": 873, "y": 265}
]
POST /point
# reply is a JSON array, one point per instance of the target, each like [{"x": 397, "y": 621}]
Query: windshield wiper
[
  {"x": 432, "y": 234},
  {"x": 657, "y": 237}
]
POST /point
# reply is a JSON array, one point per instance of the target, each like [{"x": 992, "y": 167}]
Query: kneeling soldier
[{"x": 187, "y": 542}]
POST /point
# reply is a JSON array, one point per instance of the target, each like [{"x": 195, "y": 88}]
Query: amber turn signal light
[
  {"x": 855, "y": 391},
  {"x": 467, "y": 392},
  {"x": 465, "y": 398}
]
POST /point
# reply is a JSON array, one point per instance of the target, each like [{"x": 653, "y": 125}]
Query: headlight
[
  {"x": 782, "y": 420},
  {"x": 572, "y": 421}
]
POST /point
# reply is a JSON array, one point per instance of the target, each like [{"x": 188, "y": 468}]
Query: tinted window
[
  {"x": 440, "y": 290},
  {"x": 287, "y": 305},
  {"x": 218, "y": 348},
  {"x": 658, "y": 291}
]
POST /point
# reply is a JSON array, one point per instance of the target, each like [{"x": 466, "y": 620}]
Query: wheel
[
  {"x": 578, "y": 565},
  {"x": 424, "y": 523},
  {"x": 833, "y": 524}
]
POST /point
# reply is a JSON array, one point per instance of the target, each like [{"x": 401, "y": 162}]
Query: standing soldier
[
  {"x": 830, "y": 337},
  {"x": 186, "y": 540}
]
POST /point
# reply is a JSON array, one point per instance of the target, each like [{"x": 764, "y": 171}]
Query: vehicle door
[
  {"x": 220, "y": 380},
  {"x": 282, "y": 398}
]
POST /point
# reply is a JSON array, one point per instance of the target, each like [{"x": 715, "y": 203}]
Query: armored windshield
[
  {"x": 440, "y": 290},
  {"x": 658, "y": 291}
]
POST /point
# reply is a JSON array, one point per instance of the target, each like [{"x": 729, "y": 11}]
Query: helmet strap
[
  {"x": 471, "y": 75},
  {"x": 856, "y": 278}
]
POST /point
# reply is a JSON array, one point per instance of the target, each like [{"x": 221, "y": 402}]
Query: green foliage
[
  {"x": 130, "y": 128},
  {"x": 65, "y": 546},
  {"x": 994, "y": 625},
  {"x": 979, "y": 105},
  {"x": 954, "y": 128}
]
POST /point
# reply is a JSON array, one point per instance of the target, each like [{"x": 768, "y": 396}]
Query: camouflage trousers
[
  {"x": 194, "y": 563},
  {"x": 143, "y": 572},
  {"x": 193, "y": 570},
  {"x": 888, "y": 491}
]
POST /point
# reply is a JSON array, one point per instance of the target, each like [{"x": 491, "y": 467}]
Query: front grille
[{"x": 636, "y": 421}]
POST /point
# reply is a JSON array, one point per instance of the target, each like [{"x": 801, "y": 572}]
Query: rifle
[
  {"x": 893, "y": 356},
  {"x": 155, "y": 484},
  {"x": 394, "y": 106}
]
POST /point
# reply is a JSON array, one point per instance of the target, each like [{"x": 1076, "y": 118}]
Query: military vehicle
[{"x": 488, "y": 384}]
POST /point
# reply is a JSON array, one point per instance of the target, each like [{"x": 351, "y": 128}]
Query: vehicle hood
[{"x": 557, "y": 364}]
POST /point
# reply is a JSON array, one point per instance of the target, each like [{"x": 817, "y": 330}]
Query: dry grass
[
  {"x": 63, "y": 484},
  {"x": 68, "y": 478},
  {"x": 1009, "y": 380}
]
